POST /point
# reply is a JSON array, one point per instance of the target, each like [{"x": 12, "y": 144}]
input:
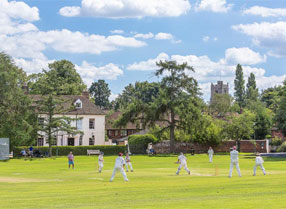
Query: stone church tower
[{"x": 219, "y": 88}]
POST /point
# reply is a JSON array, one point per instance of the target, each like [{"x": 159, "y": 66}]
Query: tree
[
  {"x": 61, "y": 78},
  {"x": 239, "y": 87},
  {"x": 177, "y": 105},
  {"x": 271, "y": 97},
  {"x": 263, "y": 119},
  {"x": 52, "y": 109},
  {"x": 221, "y": 104},
  {"x": 100, "y": 93},
  {"x": 144, "y": 91},
  {"x": 240, "y": 127},
  {"x": 251, "y": 89},
  {"x": 16, "y": 115},
  {"x": 280, "y": 116}
]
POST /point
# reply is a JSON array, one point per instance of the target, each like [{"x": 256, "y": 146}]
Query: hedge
[
  {"x": 77, "y": 150},
  {"x": 138, "y": 143}
]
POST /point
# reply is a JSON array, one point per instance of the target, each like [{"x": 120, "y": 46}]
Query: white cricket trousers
[
  {"x": 130, "y": 165},
  {"x": 185, "y": 167},
  {"x": 100, "y": 166},
  {"x": 231, "y": 167},
  {"x": 115, "y": 170},
  {"x": 211, "y": 158},
  {"x": 261, "y": 166}
]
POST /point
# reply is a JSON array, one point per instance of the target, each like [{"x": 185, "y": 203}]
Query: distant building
[
  {"x": 91, "y": 122},
  {"x": 219, "y": 88}
]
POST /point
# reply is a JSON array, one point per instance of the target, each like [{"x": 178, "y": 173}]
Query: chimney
[
  {"x": 85, "y": 94},
  {"x": 25, "y": 88}
]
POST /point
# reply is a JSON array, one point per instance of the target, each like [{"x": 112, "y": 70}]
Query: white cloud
[
  {"x": 144, "y": 35},
  {"x": 266, "y": 34},
  {"x": 128, "y": 8},
  {"x": 244, "y": 56},
  {"x": 34, "y": 65},
  {"x": 90, "y": 73},
  {"x": 215, "y": 38},
  {"x": 218, "y": 6},
  {"x": 19, "y": 10},
  {"x": 164, "y": 36},
  {"x": 265, "y": 12},
  {"x": 117, "y": 31},
  {"x": 206, "y": 38},
  {"x": 149, "y": 64},
  {"x": 113, "y": 97},
  {"x": 208, "y": 71}
]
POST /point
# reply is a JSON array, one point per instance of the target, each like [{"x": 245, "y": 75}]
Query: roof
[
  {"x": 88, "y": 108},
  {"x": 114, "y": 116}
]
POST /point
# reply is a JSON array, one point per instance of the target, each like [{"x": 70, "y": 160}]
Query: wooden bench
[{"x": 93, "y": 152}]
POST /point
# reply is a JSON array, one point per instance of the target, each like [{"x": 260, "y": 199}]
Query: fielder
[
  {"x": 128, "y": 163},
  {"x": 119, "y": 166},
  {"x": 234, "y": 161},
  {"x": 100, "y": 162},
  {"x": 183, "y": 162},
  {"x": 210, "y": 152},
  {"x": 259, "y": 162}
]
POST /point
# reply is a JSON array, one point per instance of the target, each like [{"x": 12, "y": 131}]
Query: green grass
[{"x": 48, "y": 183}]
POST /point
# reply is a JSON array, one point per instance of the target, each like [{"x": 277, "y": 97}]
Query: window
[
  {"x": 62, "y": 141},
  {"x": 79, "y": 124},
  {"x": 78, "y": 104},
  {"x": 40, "y": 142},
  {"x": 41, "y": 122},
  {"x": 80, "y": 140},
  {"x": 91, "y": 123},
  {"x": 116, "y": 133},
  {"x": 91, "y": 141},
  {"x": 123, "y": 133}
]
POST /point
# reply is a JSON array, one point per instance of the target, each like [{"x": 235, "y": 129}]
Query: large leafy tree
[
  {"x": 16, "y": 117},
  {"x": 61, "y": 78},
  {"x": 280, "y": 117},
  {"x": 144, "y": 91},
  {"x": 251, "y": 89},
  {"x": 240, "y": 127},
  {"x": 221, "y": 104},
  {"x": 177, "y": 105},
  {"x": 239, "y": 87},
  {"x": 271, "y": 97},
  {"x": 51, "y": 109},
  {"x": 100, "y": 92}
]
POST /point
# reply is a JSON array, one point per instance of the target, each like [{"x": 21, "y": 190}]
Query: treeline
[{"x": 171, "y": 109}]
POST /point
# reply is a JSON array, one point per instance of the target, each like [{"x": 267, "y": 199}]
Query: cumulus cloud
[
  {"x": 208, "y": 71},
  {"x": 128, "y": 9},
  {"x": 144, "y": 35},
  {"x": 164, "y": 36},
  {"x": 33, "y": 65},
  {"x": 244, "y": 56},
  {"x": 265, "y": 12},
  {"x": 266, "y": 34},
  {"x": 90, "y": 73},
  {"x": 217, "y": 6}
]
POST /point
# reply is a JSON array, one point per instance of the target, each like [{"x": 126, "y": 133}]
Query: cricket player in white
[
  {"x": 259, "y": 162},
  {"x": 100, "y": 162},
  {"x": 119, "y": 166},
  {"x": 128, "y": 163},
  {"x": 234, "y": 161},
  {"x": 183, "y": 162},
  {"x": 210, "y": 152}
]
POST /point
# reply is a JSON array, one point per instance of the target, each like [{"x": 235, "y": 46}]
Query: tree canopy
[{"x": 100, "y": 93}]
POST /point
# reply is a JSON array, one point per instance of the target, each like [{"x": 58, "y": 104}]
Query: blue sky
[{"x": 121, "y": 40}]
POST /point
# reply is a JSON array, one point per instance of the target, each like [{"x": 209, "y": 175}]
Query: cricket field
[{"x": 48, "y": 183}]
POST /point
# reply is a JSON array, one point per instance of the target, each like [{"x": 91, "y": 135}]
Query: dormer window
[{"x": 78, "y": 104}]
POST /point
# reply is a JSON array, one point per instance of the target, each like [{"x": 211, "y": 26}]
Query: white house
[{"x": 92, "y": 122}]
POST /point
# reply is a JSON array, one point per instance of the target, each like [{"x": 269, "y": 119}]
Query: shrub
[
  {"x": 138, "y": 143},
  {"x": 77, "y": 150},
  {"x": 276, "y": 141},
  {"x": 268, "y": 136},
  {"x": 282, "y": 148}
]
